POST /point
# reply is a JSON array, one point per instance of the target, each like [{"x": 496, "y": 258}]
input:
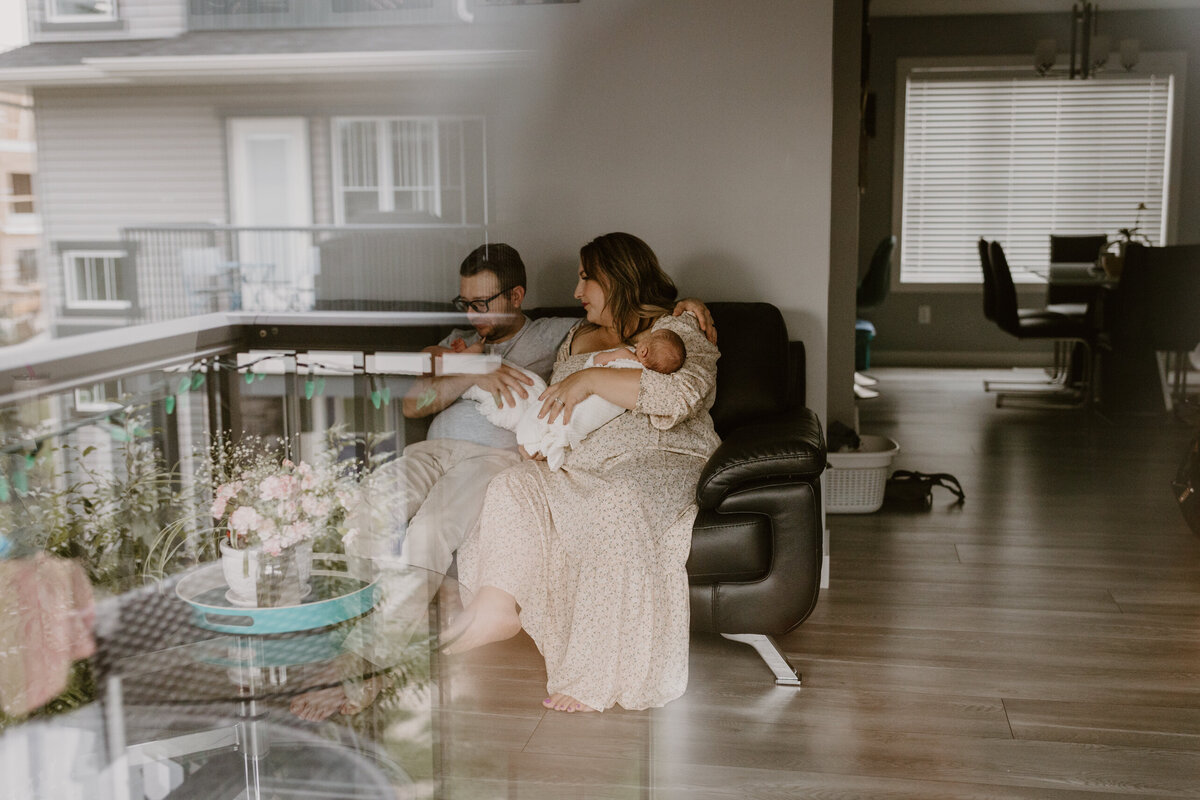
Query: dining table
[{"x": 1127, "y": 378}]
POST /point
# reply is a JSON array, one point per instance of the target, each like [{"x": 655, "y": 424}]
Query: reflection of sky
[{"x": 12, "y": 24}]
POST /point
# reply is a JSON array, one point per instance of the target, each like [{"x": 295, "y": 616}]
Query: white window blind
[{"x": 1015, "y": 160}]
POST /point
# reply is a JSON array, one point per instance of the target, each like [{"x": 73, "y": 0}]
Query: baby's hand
[
  {"x": 603, "y": 359},
  {"x": 475, "y": 348}
]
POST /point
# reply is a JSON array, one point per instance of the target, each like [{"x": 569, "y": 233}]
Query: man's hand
[
  {"x": 505, "y": 384},
  {"x": 703, "y": 316}
]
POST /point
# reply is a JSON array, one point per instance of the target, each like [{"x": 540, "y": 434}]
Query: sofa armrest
[{"x": 788, "y": 444}]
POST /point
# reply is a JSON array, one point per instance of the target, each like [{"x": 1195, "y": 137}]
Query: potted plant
[
  {"x": 1112, "y": 257},
  {"x": 267, "y": 512}
]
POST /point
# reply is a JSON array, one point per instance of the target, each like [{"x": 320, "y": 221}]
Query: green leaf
[
  {"x": 118, "y": 434},
  {"x": 140, "y": 432},
  {"x": 170, "y": 404}
]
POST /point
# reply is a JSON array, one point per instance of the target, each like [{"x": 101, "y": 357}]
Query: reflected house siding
[{"x": 111, "y": 158}]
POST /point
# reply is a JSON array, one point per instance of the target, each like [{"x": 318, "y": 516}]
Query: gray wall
[{"x": 958, "y": 333}]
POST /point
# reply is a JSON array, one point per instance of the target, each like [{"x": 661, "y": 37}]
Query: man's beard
[{"x": 496, "y": 327}]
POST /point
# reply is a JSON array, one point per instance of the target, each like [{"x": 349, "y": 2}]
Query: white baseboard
[{"x": 825, "y": 562}]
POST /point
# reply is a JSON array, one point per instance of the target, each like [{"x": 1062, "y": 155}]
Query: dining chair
[
  {"x": 1154, "y": 307},
  {"x": 1066, "y": 249},
  {"x": 1071, "y": 386}
]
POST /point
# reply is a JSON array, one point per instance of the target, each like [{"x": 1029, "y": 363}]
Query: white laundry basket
[{"x": 855, "y": 481}]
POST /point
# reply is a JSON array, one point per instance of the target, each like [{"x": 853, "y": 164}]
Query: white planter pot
[{"x": 257, "y": 579}]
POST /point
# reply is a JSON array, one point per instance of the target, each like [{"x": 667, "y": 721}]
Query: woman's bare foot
[
  {"x": 321, "y": 704},
  {"x": 490, "y": 617},
  {"x": 564, "y": 702}
]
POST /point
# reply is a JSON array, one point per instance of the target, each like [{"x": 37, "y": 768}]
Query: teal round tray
[{"x": 336, "y": 596}]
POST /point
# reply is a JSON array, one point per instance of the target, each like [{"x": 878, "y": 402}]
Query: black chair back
[
  {"x": 1076, "y": 249},
  {"x": 989, "y": 285},
  {"x": 873, "y": 288},
  {"x": 1005, "y": 290},
  {"x": 1158, "y": 298},
  {"x": 1073, "y": 249}
]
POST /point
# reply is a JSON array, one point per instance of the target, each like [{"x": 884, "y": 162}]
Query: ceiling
[{"x": 916, "y": 8}]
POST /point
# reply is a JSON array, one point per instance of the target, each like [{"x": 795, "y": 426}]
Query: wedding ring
[{"x": 559, "y": 401}]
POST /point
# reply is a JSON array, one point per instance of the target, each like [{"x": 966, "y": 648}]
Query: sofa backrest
[{"x": 754, "y": 374}]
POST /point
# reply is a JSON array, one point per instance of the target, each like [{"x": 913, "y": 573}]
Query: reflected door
[{"x": 271, "y": 192}]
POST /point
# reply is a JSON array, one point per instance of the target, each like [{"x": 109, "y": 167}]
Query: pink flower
[
  {"x": 308, "y": 478},
  {"x": 276, "y": 487},
  {"x": 315, "y": 506},
  {"x": 245, "y": 520}
]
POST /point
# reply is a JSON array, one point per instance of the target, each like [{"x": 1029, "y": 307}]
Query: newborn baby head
[{"x": 662, "y": 351}]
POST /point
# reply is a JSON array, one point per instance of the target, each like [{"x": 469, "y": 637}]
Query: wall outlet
[{"x": 924, "y": 315}]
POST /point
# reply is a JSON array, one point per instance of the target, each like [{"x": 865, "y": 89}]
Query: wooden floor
[{"x": 1042, "y": 641}]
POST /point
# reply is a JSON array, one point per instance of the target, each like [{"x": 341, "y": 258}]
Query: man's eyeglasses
[{"x": 478, "y": 306}]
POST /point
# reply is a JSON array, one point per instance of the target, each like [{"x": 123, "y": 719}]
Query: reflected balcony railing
[
  {"x": 100, "y": 443},
  {"x": 183, "y": 270}
]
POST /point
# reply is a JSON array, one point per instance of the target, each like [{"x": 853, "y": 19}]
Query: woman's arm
[
  {"x": 667, "y": 399},
  {"x": 619, "y": 386}
]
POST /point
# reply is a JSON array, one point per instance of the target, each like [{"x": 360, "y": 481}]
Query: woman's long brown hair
[{"x": 638, "y": 291}]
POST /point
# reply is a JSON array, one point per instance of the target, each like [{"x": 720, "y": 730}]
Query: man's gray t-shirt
[{"x": 533, "y": 347}]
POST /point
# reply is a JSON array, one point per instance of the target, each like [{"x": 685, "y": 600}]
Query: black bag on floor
[
  {"x": 914, "y": 490},
  {"x": 1187, "y": 486}
]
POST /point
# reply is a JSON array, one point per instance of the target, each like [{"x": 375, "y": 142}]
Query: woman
[{"x": 590, "y": 559}]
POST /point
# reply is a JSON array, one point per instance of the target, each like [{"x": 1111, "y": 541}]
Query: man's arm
[
  {"x": 702, "y": 314},
  {"x": 432, "y": 395}
]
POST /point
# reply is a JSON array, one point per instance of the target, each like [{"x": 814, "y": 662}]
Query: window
[
  {"x": 27, "y": 266},
  {"x": 80, "y": 10},
  {"x": 95, "y": 279},
  {"x": 20, "y": 186},
  {"x": 97, "y": 398},
  {"x": 1015, "y": 159},
  {"x": 410, "y": 169}
]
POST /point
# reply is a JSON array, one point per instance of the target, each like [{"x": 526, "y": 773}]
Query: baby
[{"x": 662, "y": 351}]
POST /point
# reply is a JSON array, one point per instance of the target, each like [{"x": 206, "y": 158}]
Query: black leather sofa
[{"x": 755, "y": 565}]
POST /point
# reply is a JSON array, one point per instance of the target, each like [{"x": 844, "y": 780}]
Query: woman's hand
[
  {"x": 703, "y": 316},
  {"x": 562, "y": 397}
]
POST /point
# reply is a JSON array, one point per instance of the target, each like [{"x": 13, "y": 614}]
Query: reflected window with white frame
[
  {"x": 80, "y": 10},
  {"x": 410, "y": 169},
  {"x": 94, "y": 279},
  {"x": 97, "y": 398}
]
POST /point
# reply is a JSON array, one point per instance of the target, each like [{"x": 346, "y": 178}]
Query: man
[{"x": 445, "y": 476}]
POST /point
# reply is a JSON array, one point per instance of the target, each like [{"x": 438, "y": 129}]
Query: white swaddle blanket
[{"x": 551, "y": 439}]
